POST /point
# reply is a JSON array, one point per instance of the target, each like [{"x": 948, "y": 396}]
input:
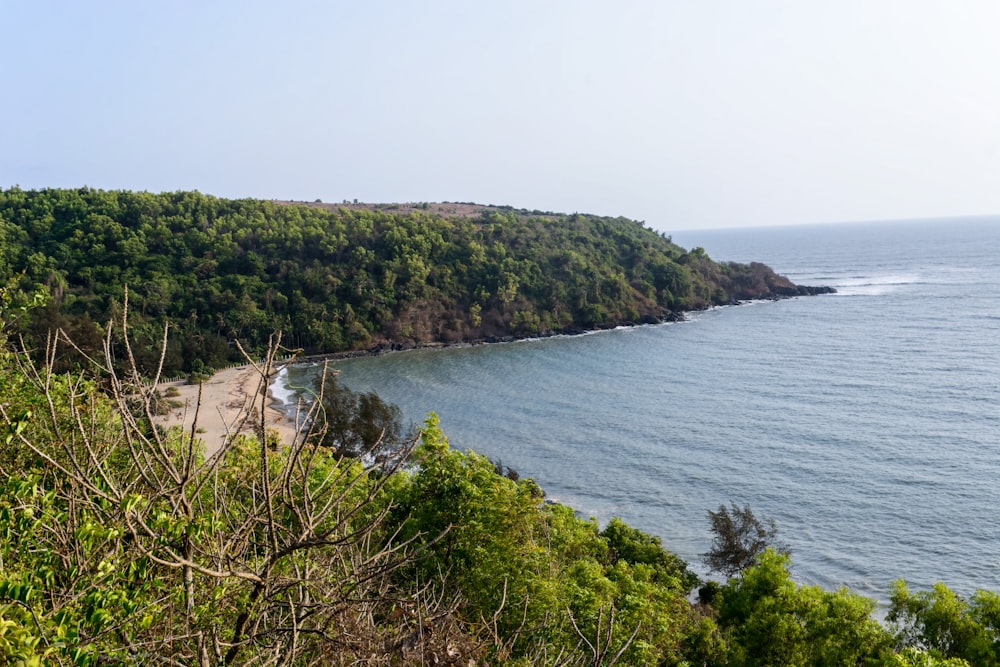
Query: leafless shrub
[{"x": 253, "y": 556}]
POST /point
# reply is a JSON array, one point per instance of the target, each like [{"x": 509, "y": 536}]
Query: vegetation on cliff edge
[{"x": 343, "y": 279}]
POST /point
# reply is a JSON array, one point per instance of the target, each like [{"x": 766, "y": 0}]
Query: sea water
[{"x": 866, "y": 423}]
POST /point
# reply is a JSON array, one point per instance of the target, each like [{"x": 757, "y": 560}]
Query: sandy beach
[{"x": 225, "y": 398}]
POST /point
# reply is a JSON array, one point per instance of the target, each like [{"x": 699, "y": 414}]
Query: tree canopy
[
  {"x": 738, "y": 538},
  {"x": 338, "y": 279}
]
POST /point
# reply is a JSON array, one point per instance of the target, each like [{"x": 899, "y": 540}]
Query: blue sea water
[{"x": 866, "y": 423}]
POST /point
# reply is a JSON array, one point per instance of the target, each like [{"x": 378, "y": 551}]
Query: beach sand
[{"x": 225, "y": 398}]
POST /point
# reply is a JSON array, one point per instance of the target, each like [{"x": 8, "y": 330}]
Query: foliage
[
  {"x": 769, "y": 620},
  {"x": 336, "y": 279},
  {"x": 912, "y": 657},
  {"x": 631, "y": 545},
  {"x": 946, "y": 625},
  {"x": 355, "y": 424},
  {"x": 121, "y": 543},
  {"x": 738, "y": 538},
  {"x": 538, "y": 579}
]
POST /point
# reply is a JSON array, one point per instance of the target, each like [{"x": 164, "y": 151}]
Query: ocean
[{"x": 866, "y": 423}]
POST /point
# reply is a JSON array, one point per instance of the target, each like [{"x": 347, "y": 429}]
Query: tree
[
  {"x": 739, "y": 538},
  {"x": 633, "y": 546},
  {"x": 354, "y": 424},
  {"x": 770, "y": 620},
  {"x": 947, "y": 625}
]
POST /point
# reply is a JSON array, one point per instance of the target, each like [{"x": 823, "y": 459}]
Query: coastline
[
  {"x": 229, "y": 393},
  {"x": 671, "y": 317},
  {"x": 225, "y": 398}
]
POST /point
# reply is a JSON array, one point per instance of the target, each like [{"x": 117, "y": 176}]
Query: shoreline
[
  {"x": 672, "y": 317},
  {"x": 229, "y": 393},
  {"x": 225, "y": 398}
]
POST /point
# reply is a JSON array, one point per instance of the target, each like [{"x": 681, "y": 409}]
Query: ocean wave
[
  {"x": 283, "y": 392},
  {"x": 864, "y": 285}
]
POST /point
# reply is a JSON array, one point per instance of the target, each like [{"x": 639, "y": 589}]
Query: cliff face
[
  {"x": 345, "y": 277},
  {"x": 423, "y": 324},
  {"x": 745, "y": 282}
]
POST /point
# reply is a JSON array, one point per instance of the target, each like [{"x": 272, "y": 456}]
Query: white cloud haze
[{"x": 682, "y": 114}]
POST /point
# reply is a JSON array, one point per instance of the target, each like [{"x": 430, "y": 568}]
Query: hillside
[{"x": 338, "y": 278}]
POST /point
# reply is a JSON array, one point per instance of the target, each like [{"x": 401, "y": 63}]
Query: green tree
[
  {"x": 355, "y": 424},
  {"x": 537, "y": 579},
  {"x": 946, "y": 625},
  {"x": 772, "y": 621},
  {"x": 635, "y": 547},
  {"x": 738, "y": 538}
]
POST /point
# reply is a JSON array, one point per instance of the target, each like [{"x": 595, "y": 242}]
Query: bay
[{"x": 866, "y": 423}]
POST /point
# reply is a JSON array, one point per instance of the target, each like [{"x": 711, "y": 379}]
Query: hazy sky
[{"x": 682, "y": 113}]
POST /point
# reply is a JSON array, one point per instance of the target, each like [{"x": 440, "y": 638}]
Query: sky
[{"x": 686, "y": 114}]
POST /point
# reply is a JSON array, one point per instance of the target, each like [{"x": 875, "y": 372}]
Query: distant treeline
[{"x": 221, "y": 270}]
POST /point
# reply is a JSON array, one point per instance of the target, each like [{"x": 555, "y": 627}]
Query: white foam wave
[
  {"x": 279, "y": 389},
  {"x": 874, "y": 285}
]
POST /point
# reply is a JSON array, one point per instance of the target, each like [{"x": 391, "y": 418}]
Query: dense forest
[{"x": 340, "y": 278}]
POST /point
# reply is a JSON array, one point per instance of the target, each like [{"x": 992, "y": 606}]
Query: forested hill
[{"x": 339, "y": 278}]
